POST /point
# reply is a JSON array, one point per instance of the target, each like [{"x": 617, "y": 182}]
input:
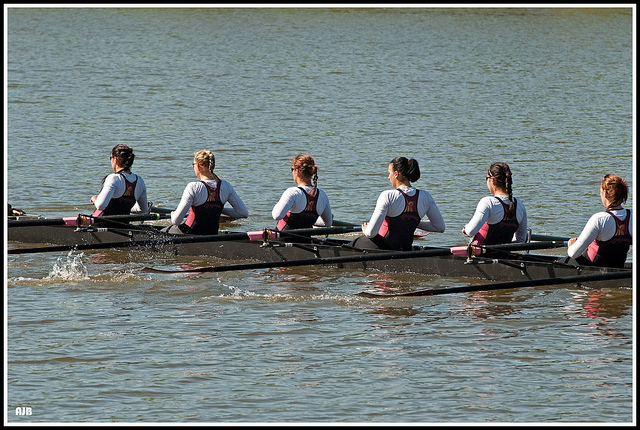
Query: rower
[
  {"x": 399, "y": 212},
  {"x": 205, "y": 200},
  {"x": 607, "y": 236},
  {"x": 11, "y": 211},
  {"x": 305, "y": 205},
  {"x": 122, "y": 191},
  {"x": 499, "y": 218}
]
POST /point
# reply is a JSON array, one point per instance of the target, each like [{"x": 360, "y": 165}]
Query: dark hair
[
  {"x": 617, "y": 189},
  {"x": 501, "y": 173},
  {"x": 304, "y": 164},
  {"x": 408, "y": 168},
  {"x": 124, "y": 155}
]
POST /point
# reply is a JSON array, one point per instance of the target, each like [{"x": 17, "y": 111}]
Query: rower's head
[
  {"x": 205, "y": 159},
  {"x": 305, "y": 167},
  {"x": 123, "y": 156},
  {"x": 615, "y": 190},
  {"x": 405, "y": 168},
  {"x": 204, "y": 162},
  {"x": 499, "y": 177}
]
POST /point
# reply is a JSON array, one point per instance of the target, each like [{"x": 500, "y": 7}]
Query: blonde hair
[{"x": 207, "y": 160}]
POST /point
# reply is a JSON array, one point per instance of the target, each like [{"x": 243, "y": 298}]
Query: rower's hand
[
  {"x": 571, "y": 241},
  {"x": 364, "y": 226},
  {"x": 464, "y": 232},
  {"x": 93, "y": 199}
]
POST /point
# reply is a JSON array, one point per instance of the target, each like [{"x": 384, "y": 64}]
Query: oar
[
  {"x": 546, "y": 237},
  {"x": 223, "y": 218},
  {"x": 339, "y": 223},
  {"x": 160, "y": 210},
  {"x": 416, "y": 235},
  {"x": 252, "y": 235},
  {"x": 83, "y": 220},
  {"x": 132, "y": 243},
  {"x": 375, "y": 256},
  {"x": 578, "y": 279},
  {"x": 317, "y": 231}
]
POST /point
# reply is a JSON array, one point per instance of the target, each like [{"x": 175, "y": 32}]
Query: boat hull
[
  {"x": 69, "y": 235},
  {"x": 512, "y": 267}
]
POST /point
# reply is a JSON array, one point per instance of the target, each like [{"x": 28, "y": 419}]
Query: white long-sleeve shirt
[
  {"x": 392, "y": 203},
  {"x": 601, "y": 226},
  {"x": 294, "y": 200},
  {"x": 489, "y": 210},
  {"x": 196, "y": 194},
  {"x": 114, "y": 187}
]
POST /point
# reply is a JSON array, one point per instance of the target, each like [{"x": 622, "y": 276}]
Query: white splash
[{"x": 70, "y": 268}]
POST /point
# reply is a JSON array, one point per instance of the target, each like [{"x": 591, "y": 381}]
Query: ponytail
[
  {"x": 305, "y": 164},
  {"x": 501, "y": 173},
  {"x": 315, "y": 180},
  {"x": 408, "y": 168},
  {"x": 205, "y": 158},
  {"x": 616, "y": 188},
  {"x": 511, "y": 212},
  {"x": 124, "y": 155}
]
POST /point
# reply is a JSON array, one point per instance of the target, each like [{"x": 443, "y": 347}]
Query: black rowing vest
[
  {"x": 612, "y": 252},
  {"x": 305, "y": 219},
  {"x": 500, "y": 232},
  {"x": 397, "y": 231},
  {"x": 123, "y": 204},
  {"x": 205, "y": 219}
]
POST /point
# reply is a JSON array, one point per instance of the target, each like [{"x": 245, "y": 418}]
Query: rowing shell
[{"x": 506, "y": 266}]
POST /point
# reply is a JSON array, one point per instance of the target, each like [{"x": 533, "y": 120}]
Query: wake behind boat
[{"x": 306, "y": 247}]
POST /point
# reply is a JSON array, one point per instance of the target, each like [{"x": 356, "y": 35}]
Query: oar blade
[{"x": 169, "y": 271}]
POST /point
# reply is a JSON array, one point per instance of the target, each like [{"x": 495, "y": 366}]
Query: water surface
[{"x": 91, "y": 339}]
